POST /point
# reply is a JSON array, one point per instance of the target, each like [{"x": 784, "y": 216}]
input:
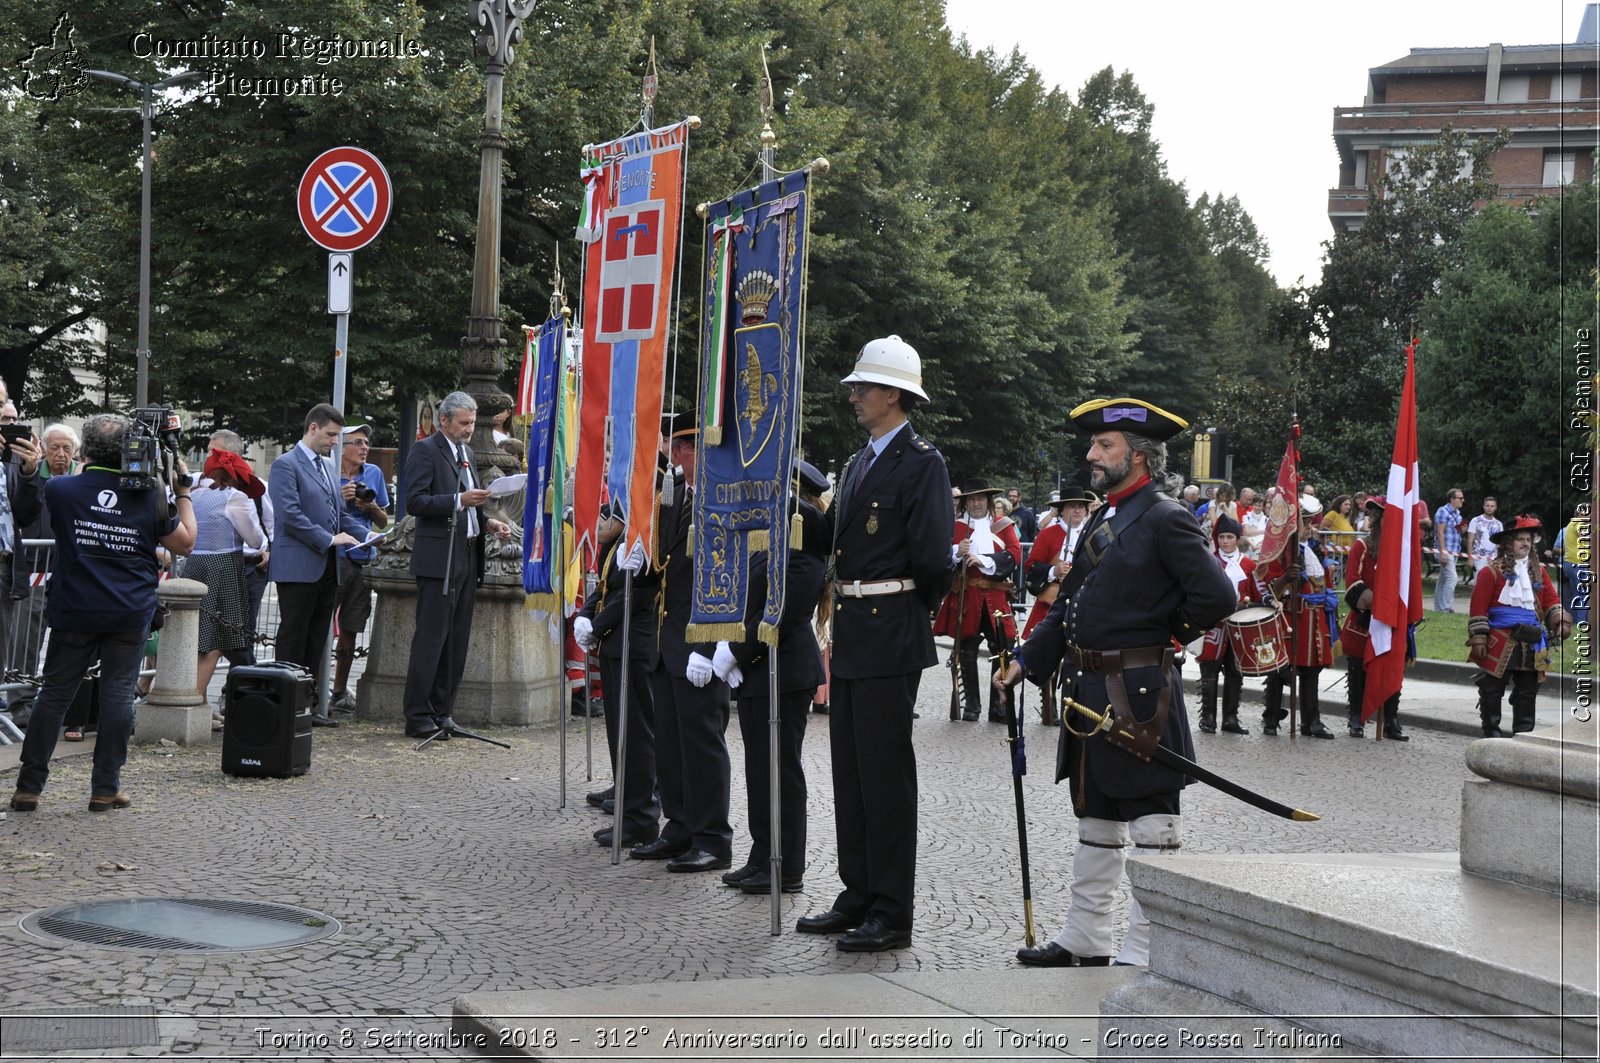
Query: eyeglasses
[
  {"x": 357, "y": 442},
  {"x": 7, "y": 420},
  {"x": 859, "y": 390}
]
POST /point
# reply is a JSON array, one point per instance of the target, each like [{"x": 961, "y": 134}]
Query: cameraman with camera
[
  {"x": 109, "y": 521},
  {"x": 366, "y": 501},
  {"x": 20, "y": 488}
]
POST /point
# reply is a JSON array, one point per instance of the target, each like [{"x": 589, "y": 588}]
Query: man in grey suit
[
  {"x": 311, "y": 524},
  {"x": 443, "y": 491}
]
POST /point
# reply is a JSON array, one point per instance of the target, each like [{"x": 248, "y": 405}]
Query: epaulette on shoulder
[{"x": 922, "y": 444}]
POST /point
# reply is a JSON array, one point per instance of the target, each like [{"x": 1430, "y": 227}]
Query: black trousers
[
  {"x": 875, "y": 795},
  {"x": 794, "y": 708},
  {"x": 1358, "y": 688},
  {"x": 1308, "y": 704},
  {"x": 1524, "y": 686},
  {"x": 438, "y": 647},
  {"x": 641, "y": 813},
  {"x": 305, "y": 615},
  {"x": 692, "y": 765}
]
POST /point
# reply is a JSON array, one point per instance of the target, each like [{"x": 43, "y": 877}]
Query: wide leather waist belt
[
  {"x": 985, "y": 583},
  {"x": 873, "y": 588},
  {"x": 1095, "y": 661}
]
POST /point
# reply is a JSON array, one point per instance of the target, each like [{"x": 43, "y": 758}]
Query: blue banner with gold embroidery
[
  {"x": 751, "y": 361},
  {"x": 547, "y": 467}
]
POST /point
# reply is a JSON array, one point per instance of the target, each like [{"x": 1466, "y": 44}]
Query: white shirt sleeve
[{"x": 242, "y": 515}]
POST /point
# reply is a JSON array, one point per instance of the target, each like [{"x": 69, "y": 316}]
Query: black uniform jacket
[
  {"x": 1157, "y": 581},
  {"x": 432, "y": 483},
  {"x": 605, "y": 611},
  {"x": 673, "y": 524},
  {"x": 895, "y": 524},
  {"x": 799, "y": 657}
]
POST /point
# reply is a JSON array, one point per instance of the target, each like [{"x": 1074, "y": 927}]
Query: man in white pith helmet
[{"x": 891, "y": 555}]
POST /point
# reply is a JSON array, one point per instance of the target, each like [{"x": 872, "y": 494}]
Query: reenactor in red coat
[
  {"x": 1049, "y": 560},
  {"x": 986, "y": 553},
  {"x": 1216, "y": 654},
  {"x": 1514, "y": 603},
  {"x": 1361, "y": 576},
  {"x": 1315, "y": 617}
]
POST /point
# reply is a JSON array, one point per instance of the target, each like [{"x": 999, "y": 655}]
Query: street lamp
[{"x": 147, "y": 91}]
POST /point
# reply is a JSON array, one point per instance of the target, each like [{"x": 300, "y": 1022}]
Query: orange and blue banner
[{"x": 632, "y": 216}]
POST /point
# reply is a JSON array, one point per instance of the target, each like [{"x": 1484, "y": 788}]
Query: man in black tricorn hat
[{"x": 1142, "y": 575}]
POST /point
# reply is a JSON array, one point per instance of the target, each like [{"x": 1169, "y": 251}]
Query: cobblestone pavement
[{"x": 451, "y": 870}]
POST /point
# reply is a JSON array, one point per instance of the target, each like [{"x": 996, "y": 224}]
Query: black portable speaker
[{"x": 267, "y": 730}]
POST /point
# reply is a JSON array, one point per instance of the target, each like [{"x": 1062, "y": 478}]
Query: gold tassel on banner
[
  {"x": 796, "y": 531},
  {"x": 724, "y": 632},
  {"x": 711, "y": 436},
  {"x": 541, "y": 603},
  {"x": 759, "y": 540},
  {"x": 688, "y": 544},
  {"x": 768, "y": 633}
]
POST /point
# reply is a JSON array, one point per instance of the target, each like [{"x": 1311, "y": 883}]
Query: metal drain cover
[
  {"x": 183, "y": 924},
  {"x": 66, "y": 1031}
]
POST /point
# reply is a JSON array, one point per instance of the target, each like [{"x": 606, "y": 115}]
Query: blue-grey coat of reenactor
[
  {"x": 1143, "y": 574},
  {"x": 891, "y": 557}
]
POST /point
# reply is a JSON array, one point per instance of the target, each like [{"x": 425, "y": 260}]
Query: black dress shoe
[
  {"x": 738, "y": 875},
  {"x": 629, "y": 839},
  {"x": 444, "y": 723},
  {"x": 323, "y": 721},
  {"x": 1208, "y": 728},
  {"x": 1356, "y": 730},
  {"x": 1052, "y": 955},
  {"x": 660, "y": 849},
  {"x": 427, "y": 730},
  {"x": 1493, "y": 732},
  {"x": 1232, "y": 726},
  {"x": 609, "y": 807},
  {"x": 969, "y": 717},
  {"x": 1270, "y": 730},
  {"x": 699, "y": 860},
  {"x": 874, "y": 935},
  {"x": 599, "y": 797},
  {"x": 820, "y": 710},
  {"x": 831, "y": 921},
  {"x": 1394, "y": 734},
  {"x": 1316, "y": 730},
  {"x": 761, "y": 882}
]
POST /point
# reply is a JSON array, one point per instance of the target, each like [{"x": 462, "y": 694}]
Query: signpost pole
[{"x": 341, "y": 344}]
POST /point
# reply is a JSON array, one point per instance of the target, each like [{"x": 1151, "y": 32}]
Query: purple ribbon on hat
[{"x": 1126, "y": 413}]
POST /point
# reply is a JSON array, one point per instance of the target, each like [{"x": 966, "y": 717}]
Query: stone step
[{"x": 1391, "y": 954}]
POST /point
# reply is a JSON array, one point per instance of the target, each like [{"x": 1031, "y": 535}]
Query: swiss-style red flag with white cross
[{"x": 1397, "y": 595}]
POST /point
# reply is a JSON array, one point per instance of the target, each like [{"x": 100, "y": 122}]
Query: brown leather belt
[
  {"x": 1094, "y": 660},
  {"x": 985, "y": 583}
]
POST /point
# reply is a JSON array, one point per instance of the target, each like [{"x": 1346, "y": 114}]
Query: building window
[
  {"x": 1559, "y": 167},
  {"x": 1564, "y": 87},
  {"x": 1361, "y": 170},
  {"x": 1514, "y": 88}
]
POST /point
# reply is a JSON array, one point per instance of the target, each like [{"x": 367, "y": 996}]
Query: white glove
[
  {"x": 699, "y": 671},
  {"x": 734, "y": 678},
  {"x": 723, "y": 663},
  {"x": 583, "y": 633},
  {"x": 635, "y": 561}
]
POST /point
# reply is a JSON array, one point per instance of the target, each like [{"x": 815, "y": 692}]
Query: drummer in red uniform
[
  {"x": 1311, "y": 636},
  {"x": 1217, "y": 659},
  {"x": 1050, "y": 559},
  {"x": 987, "y": 553},
  {"x": 1514, "y": 602}
]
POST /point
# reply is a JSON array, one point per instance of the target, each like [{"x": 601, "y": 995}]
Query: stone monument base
[{"x": 515, "y": 673}]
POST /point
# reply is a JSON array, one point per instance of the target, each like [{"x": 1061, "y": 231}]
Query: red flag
[
  {"x": 1397, "y": 595},
  {"x": 1283, "y": 504}
]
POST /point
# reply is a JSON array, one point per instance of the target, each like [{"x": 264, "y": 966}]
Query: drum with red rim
[{"x": 1259, "y": 636}]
